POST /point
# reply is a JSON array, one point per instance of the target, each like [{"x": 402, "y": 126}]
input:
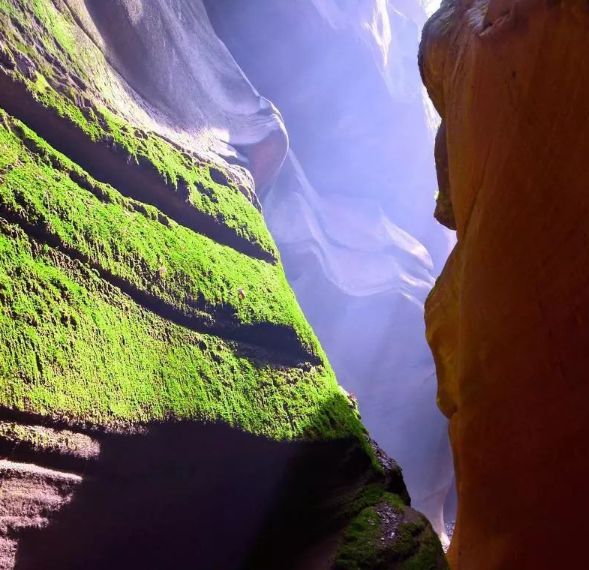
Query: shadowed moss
[
  {"x": 387, "y": 535},
  {"x": 360, "y": 548},
  {"x": 429, "y": 555},
  {"x": 363, "y": 545}
]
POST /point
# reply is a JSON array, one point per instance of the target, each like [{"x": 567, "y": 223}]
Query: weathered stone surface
[
  {"x": 29, "y": 496},
  {"x": 506, "y": 320}
]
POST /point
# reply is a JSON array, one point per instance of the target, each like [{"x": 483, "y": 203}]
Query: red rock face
[{"x": 507, "y": 321}]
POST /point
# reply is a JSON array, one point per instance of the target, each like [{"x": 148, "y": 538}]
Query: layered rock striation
[
  {"x": 506, "y": 318},
  {"x": 163, "y": 401}
]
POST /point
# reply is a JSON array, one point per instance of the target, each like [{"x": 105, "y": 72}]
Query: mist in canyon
[{"x": 351, "y": 208}]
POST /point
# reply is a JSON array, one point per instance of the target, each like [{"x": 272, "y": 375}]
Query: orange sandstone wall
[{"x": 508, "y": 320}]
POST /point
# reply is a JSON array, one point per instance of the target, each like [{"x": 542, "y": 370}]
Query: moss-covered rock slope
[
  {"x": 156, "y": 372},
  {"x": 98, "y": 284}
]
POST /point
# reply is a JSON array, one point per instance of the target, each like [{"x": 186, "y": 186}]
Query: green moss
[
  {"x": 16, "y": 433},
  {"x": 6, "y": 8},
  {"x": 89, "y": 107},
  {"x": 360, "y": 549},
  {"x": 73, "y": 347},
  {"x": 137, "y": 243},
  {"x": 223, "y": 202},
  {"x": 370, "y": 495},
  {"x": 76, "y": 347},
  {"x": 406, "y": 539},
  {"x": 429, "y": 555},
  {"x": 65, "y": 108}
]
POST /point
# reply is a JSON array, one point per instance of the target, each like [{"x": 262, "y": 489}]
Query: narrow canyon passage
[
  {"x": 351, "y": 210},
  {"x": 165, "y": 396},
  {"x": 293, "y": 285}
]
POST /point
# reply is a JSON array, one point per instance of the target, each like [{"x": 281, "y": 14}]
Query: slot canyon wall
[
  {"x": 351, "y": 208},
  {"x": 507, "y": 318},
  {"x": 163, "y": 400}
]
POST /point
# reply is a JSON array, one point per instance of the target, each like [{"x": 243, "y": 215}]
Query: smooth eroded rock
[{"x": 506, "y": 320}]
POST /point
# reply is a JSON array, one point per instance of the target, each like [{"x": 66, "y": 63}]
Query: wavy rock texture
[
  {"x": 163, "y": 401},
  {"x": 506, "y": 320},
  {"x": 351, "y": 208}
]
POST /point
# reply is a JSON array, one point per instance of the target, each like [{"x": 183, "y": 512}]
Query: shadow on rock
[{"x": 189, "y": 496}]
